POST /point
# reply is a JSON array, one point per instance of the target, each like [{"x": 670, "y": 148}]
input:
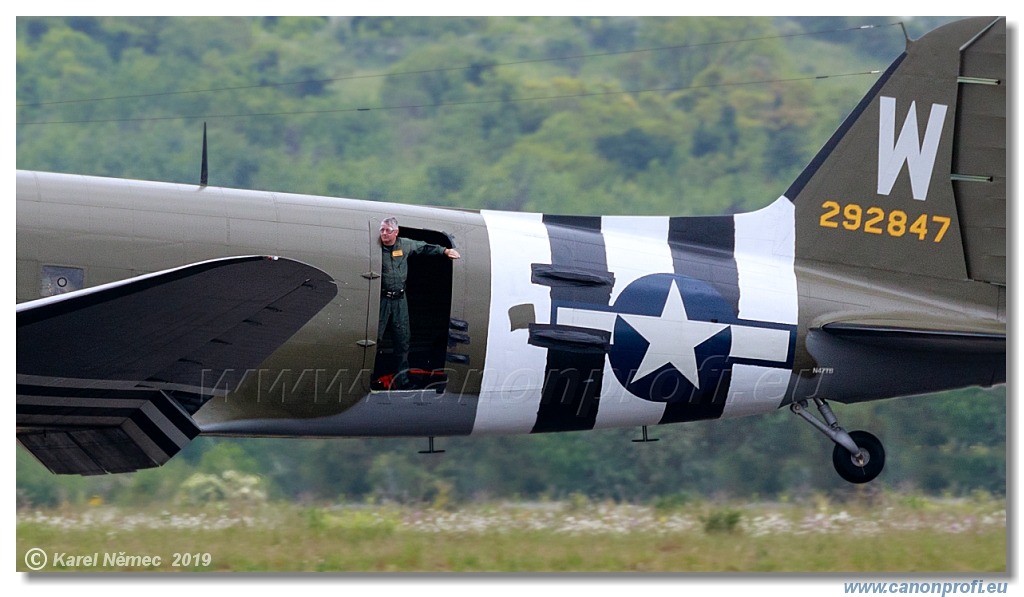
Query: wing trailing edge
[{"x": 108, "y": 377}]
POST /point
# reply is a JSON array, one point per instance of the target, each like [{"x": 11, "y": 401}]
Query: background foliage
[{"x": 562, "y": 115}]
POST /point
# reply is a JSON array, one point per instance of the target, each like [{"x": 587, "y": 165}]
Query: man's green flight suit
[{"x": 394, "y": 310}]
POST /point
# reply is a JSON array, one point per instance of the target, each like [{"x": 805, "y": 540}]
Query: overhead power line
[
  {"x": 448, "y": 104},
  {"x": 452, "y": 68}
]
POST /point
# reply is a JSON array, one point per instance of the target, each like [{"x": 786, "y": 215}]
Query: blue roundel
[{"x": 672, "y": 339}]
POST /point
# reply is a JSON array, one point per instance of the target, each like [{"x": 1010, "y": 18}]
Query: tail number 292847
[{"x": 875, "y": 220}]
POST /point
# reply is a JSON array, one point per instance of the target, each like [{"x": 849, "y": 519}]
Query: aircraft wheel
[{"x": 855, "y": 471}]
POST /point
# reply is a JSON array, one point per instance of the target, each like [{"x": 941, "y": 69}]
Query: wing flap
[{"x": 107, "y": 432}]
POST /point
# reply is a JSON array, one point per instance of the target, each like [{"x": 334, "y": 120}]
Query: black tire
[{"x": 848, "y": 468}]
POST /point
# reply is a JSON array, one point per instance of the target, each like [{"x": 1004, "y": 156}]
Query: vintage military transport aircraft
[{"x": 149, "y": 313}]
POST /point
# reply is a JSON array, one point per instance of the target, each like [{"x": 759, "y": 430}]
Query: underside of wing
[{"x": 108, "y": 377}]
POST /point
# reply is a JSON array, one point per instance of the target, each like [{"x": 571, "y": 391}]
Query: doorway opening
[{"x": 428, "y": 294}]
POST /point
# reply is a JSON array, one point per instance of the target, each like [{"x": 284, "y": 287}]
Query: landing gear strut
[{"x": 858, "y": 456}]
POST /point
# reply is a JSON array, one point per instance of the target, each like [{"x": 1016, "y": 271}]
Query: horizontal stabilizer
[{"x": 918, "y": 339}]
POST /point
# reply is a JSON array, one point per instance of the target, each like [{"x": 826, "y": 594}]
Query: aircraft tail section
[{"x": 914, "y": 181}]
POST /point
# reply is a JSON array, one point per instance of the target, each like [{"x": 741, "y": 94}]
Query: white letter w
[{"x": 920, "y": 159}]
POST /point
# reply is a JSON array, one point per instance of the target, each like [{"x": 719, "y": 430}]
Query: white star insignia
[{"x": 673, "y": 338}]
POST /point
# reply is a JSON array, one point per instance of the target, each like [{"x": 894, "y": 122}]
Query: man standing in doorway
[{"x": 394, "y": 310}]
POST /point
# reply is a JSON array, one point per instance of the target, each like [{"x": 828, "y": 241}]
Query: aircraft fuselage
[{"x": 547, "y": 323}]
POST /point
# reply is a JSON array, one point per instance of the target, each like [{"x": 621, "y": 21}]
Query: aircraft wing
[{"x": 108, "y": 377}]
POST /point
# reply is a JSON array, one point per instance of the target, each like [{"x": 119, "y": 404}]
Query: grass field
[{"x": 890, "y": 534}]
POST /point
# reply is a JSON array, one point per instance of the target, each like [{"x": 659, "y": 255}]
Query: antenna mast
[{"x": 204, "y": 171}]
